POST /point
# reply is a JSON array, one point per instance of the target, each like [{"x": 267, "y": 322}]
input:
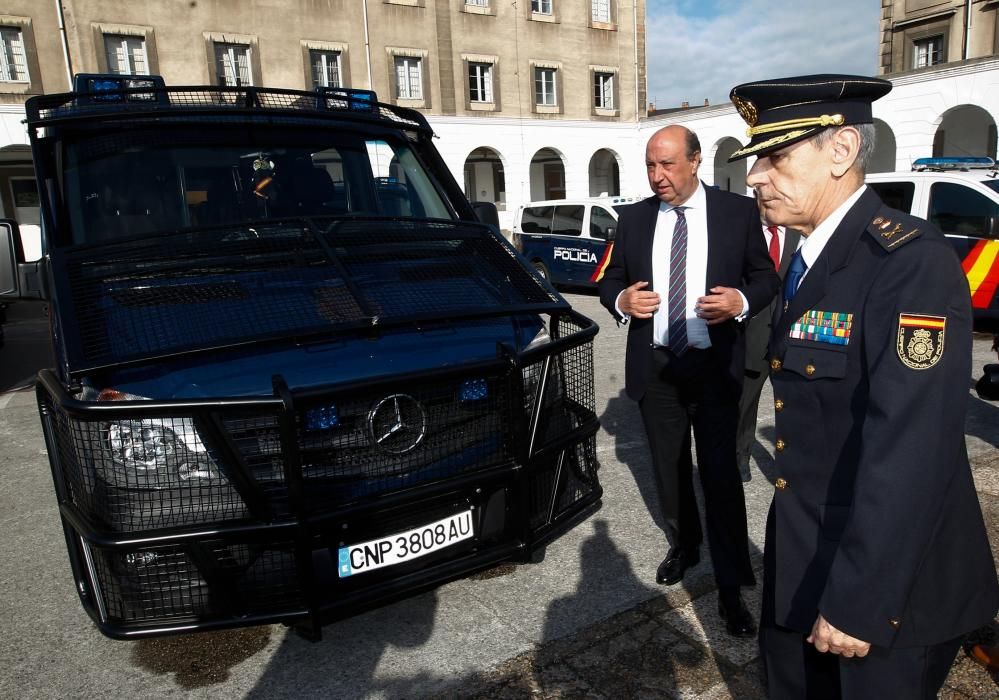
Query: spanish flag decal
[
  {"x": 920, "y": 340},
  {"x": 598, "y": 274},
  {"x": 981, "y": 267}
]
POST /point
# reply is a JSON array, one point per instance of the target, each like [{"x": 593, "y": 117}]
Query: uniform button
[
  {"x": 781, "y": 483},
  {"x": 776, "y": 364},
  {"x": 778, "y": 405},
  {"x": 780, "y": 445},
  {"x": 809, "y": 370},
  {"x": 894, "y": 623}
]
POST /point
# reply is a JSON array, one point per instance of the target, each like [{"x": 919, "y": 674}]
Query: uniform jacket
[
  {"x": 760, "y": 325},
  {"x": 737, "y": 257},
  {"x": 875, "y": 522}
]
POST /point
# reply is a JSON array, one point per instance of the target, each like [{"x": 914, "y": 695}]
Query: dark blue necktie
[
  {"x": 677, "y": 297},
  {"x": 794, "y": 274}
]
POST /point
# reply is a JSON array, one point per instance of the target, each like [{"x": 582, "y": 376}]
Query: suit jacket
[
  {"x": 737, "y": 257},
  {"x": 875, "y": 522},
  {"x": 760, "y": 325}
]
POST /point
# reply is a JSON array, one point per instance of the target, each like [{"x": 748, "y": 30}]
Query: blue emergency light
[
  {"x": 96, "y": 88},
  {"x": 473, "y": 390},
  {"x": 954, "y": 163},
  {"x": 352, "y": 98},
  {"x": 322, "y": 418}
]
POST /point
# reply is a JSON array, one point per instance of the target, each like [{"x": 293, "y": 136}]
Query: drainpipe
[
  {"x": 367, "y": 44},
  {"x": 634, "y": 18},
  {"x": 967, "y": 30},
  {"x": 65, "y": 43}
]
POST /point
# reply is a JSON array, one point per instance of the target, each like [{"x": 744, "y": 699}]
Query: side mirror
[
  {"x": 18, "y": 280},
  {"x": 611, "y": 233},
  {"x": 486, "y": 213},
  {"x": 10, "y": 255}
]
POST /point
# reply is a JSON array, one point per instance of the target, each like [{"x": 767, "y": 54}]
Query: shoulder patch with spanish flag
[
  {"x": 920, "y": 340},
  {"x": 598, "y": 274}
]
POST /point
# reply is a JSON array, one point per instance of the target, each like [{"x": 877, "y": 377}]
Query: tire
[{"x": 542, "y": 271}]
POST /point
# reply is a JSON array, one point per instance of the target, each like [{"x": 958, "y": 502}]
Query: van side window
[
  {"x": 897, "y": 195},
  {"x": 536, "y": 220},
  {"x": 600, "y": 221},
  {"x": 960, "y": 210},
  {"x": 568, "y": 220}
]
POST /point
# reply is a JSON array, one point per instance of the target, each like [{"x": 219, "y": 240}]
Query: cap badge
[{"x": 746, "y": 109}]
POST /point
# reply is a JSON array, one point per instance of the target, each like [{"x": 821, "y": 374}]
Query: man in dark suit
[
  {"x": 877, "y": 561},
  {"x": 688, "y": 264},
  {"x": 781, "y": 243}
]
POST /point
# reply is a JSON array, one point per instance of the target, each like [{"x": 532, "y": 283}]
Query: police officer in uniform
[{"x": 876, "y": 561}]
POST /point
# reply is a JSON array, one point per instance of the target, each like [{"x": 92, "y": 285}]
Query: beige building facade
[
  {"x": 514, "y": 66},
  {"x": 918, "y": 34}
]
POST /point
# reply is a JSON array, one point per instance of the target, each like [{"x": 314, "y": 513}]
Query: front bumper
[{"x": 153, "y": 553}]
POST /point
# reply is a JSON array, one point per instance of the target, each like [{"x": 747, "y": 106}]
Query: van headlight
[
  {"x": 158, "y": 448},
  {"x": 151, "y": 446}
]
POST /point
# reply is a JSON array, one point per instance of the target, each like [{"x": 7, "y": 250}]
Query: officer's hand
[
  {"x": 827, "y": 638},
  {"x": 638, "y": 303},
  {"x": 721, "y": 304}
]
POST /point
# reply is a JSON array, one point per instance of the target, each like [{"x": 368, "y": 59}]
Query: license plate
[{"x": 404, "y": 546}]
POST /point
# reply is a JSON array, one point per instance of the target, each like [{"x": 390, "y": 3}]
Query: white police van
[
  {"x": 961, "y": 197},
  {"x": 568, "y": 241}
]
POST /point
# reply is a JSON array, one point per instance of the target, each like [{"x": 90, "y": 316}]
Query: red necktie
[{"x": 774, "y": 246}]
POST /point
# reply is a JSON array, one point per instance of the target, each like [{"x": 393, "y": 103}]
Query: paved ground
[{"x": 589, "y": 621}]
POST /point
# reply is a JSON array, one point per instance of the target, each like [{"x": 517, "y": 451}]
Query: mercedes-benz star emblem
[{"x": 397, "y": 424}]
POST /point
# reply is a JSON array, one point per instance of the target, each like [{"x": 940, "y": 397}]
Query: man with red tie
[{"x": 781, "y": 243}]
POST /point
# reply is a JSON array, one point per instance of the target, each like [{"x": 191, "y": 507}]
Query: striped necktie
[{"x": 677, "y": 299}]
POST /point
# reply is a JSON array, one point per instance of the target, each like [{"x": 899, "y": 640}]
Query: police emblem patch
[{"x": 920, "y": 340}]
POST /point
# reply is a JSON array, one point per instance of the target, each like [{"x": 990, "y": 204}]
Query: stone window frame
[
  {"x": 495, "y": 105},
  {"x": 615, "y": 92},
  {"x": 548, "y": 17},
  {"x": 102, "y": 30},
  {"x": 911, "y": 31},
  {"x": 309, "y": 45},
  {"x": 33, "y": 85},
  {"x": 475, "y": 9},
  {"x": 559, "y": 106},
  {"x": 611, "y": 24},
  {"x": 408, "y": 52},
  {"x": 250, "y": 40}
]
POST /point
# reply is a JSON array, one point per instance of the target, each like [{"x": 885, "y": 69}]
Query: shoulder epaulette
[{"x": 893, "y": 229}]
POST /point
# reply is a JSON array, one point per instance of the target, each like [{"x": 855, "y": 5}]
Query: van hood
[{"x": 293, "y": 290}]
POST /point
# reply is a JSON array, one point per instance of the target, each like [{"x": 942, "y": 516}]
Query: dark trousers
[
  {"x": 694, "y": 391},
  {"x": 796, "y": 671}
]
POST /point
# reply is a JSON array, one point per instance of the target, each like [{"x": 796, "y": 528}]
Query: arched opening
[
  {"x": 729, "y": 176},
  {"x": 883, "y": 158},
  {"x": 484, "y": 177},
  {"x": 547, "y": 175},
  {"x": 605, "y": 176},
  {"x": 965, "y": 130}
]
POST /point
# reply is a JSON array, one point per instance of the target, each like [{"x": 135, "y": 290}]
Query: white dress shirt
[
  {"x": 695, "y": 211},
  {"x": 697, "y": 267}
]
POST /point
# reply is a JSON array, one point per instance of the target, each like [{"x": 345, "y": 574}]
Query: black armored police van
[{"x": 296, "y": 377}]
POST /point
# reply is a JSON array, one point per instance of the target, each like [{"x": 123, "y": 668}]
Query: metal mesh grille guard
[
  {"x": 203, "y": 289},
  {"x": 150, "y": 101},
  {"x": 230, "y": 526}
]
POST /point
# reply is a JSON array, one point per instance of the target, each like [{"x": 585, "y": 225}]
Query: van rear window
[
  {"x": 537, "y": 220},
  {"x": 897, "y": 195}
]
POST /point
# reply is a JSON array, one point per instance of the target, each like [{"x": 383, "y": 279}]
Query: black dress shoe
[
  {"x": 738, "y": 620},
  {"x": 676, "y": 562}
]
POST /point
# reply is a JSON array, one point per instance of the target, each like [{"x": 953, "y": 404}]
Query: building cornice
[
  {"x": 946, "y": 70},
  {"x": 436, "y": 120}
]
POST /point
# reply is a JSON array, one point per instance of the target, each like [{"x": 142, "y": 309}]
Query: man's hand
[
  {"x": 638, "y": 303},
  {"x": 721, "y": 304},
  {"x": 827, "y": 638}
]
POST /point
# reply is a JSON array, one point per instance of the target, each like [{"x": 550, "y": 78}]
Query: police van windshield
[{"x": 147, "y": 181}]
